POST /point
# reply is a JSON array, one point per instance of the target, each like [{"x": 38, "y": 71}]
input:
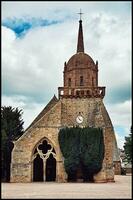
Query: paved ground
[{"x": 119, "y": 190}]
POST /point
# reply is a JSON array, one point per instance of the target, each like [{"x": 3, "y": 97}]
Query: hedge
[{"x": 82, "y": 147}]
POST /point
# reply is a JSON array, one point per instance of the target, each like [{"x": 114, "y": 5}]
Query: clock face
[{"x": 79, "y": 119}]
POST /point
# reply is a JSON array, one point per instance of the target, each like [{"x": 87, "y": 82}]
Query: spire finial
[
  {"x": 80, "y": 44},
  {"x": 80, "y": 13}
]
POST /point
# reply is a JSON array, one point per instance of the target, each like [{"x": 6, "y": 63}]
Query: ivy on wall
[{"x": 82, "y": 147}]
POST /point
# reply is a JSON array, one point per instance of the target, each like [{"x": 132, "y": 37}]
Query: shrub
[{"x": 82, "y": 147}]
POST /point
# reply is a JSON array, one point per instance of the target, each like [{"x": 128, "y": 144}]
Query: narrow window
[
  {"x": 69, "y": 82},
  {"x": 82, "y": 93},
  {"x": 81, "y": 81},
  {"x": 88, "y": 92},
  {"x": 77, "y": 93},
  {"x": 92, "y": 81}
]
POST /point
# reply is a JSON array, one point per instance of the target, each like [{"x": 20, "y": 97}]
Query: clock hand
[{"x": 79, "y": 119}]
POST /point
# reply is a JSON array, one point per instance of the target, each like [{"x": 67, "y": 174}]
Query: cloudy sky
[{"x": 38, "y": 37}]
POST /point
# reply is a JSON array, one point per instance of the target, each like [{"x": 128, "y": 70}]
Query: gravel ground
[{"x": 121, "y": 189}]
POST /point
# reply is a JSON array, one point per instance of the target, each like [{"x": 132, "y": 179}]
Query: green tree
[
  {"x": 69, "y": 144},
  {"x": 82, "y": 148},
  {"x": 128, "y": 148},
  {"x": 11, "y": 129}
]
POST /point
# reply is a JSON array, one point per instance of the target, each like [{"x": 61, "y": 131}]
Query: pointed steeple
[{"x": 80, "y": 45}]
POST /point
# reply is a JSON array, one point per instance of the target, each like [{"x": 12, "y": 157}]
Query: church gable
[
  {"x": 49, "y": 117},
  {"x": 52, "y": 118},
  {"x": 51, "y": 103}
]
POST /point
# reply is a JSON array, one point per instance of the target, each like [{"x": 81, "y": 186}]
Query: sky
[{"x": 38, "y": 37}]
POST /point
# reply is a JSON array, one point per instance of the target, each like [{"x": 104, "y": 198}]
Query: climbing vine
[{"x": 82, "y": 147}]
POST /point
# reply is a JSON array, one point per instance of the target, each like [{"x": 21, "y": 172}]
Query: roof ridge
[{"x": 50, "y": 104}]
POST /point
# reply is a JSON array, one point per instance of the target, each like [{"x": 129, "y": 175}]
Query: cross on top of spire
[
  {"x": 80, "y": 44},
  {"x": 80, "y": 13}
]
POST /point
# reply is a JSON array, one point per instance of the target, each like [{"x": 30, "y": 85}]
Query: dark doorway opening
[
  {"x": 38, "y": 169},
  {"x": 88, "y": 175},
  {"x": 81, "y": 175},
  {"x": 72, "y": 177},
  {"x": 89, "y": 178},
  {"x": 51, "y": 168},
  {"x": 76, "y": 176}
]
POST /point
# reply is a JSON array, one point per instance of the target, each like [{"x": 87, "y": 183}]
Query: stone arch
[
  {"x": 22, "y": 164},
  {"x": 43, "y": 151},
  {"x": 43, "y": 138}
]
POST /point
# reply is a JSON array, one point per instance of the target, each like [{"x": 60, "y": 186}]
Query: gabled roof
[{"x": 51, "y": 103}]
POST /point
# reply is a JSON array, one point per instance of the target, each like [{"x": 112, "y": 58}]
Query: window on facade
[
  {"x": 61, "y": 92},
  {"x": 92, "y": 81},
  {"x": 69, "y": 91},
  {"x": 82, "y": 92},
  {"x": 77, "y": 93},
  {"x": 88, "y": 92},
  {"x": 81, "y": 81},
  {"x": 69, "y": 82}
]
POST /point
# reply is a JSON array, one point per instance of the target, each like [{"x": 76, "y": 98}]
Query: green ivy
[{"x": 82, "y": 147}]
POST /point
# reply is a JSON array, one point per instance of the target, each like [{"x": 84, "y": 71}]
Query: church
[{"x": 36, "y": 155}]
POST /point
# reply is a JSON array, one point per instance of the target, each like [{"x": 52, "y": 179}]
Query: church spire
[{"x": 80, "y": 45}]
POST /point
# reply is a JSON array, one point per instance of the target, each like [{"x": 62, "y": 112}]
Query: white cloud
[
  {"x": 38, "y": 58},
  {"x": 7, "y": 35},
  {"x": 60, "y": 9},
  {"x": 30, "y": 110},
  {"x": 120, "y": 113},
  {"x": 110, "y": 39},
  {"x": 120, "y": 140},
  {"x": 32, "y": 67}
]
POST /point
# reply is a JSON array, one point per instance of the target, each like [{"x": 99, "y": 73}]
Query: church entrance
[
  {"x": 51, "y": 168},
  {"x": 44, "y": 162},
  {"x": 81, "y": 175},
  {"x": 38, "y": 169}
]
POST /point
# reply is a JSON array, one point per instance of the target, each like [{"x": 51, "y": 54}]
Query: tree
[
  {"x": 128, "y": 148},
  {"x": 12, "y": 129},
  {"x": 82, "y": 149}
]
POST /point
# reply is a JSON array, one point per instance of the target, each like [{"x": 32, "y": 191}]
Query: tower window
[
  {"x": 82, "y": 92},
  {"x": 69, "y": 82},
  {"x": 92, "y": 81},
  {"x": 77, "y": 93},
  {"x": 88, "y": 92},
  {"x": 81, "y": 81}
]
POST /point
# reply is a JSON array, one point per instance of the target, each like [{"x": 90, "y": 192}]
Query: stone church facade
[{"x": 36, "y": 155}]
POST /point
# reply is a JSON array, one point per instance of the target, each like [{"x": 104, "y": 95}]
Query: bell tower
[
  {"x": 82, "y": 104},
  {"x": 81, "y": 74}
]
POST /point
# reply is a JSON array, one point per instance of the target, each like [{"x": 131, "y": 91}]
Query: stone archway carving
[{"x": 43, "y": 149}]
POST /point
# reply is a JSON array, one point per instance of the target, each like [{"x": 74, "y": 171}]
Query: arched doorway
[
  {"x": 51, "y": 168},
  {"x": 44, "y": 162}
]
